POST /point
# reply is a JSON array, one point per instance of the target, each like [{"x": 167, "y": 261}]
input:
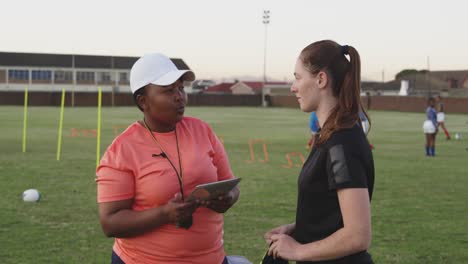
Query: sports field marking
[
  {"x": 290, "y": 162},
  {"x": 252, "y": 153}
]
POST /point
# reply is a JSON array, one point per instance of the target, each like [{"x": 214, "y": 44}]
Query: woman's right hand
[
  {"x": 118, "y": 219},
  {"x": 178, "y": 210},
  {"x": 284, "y": 229}
]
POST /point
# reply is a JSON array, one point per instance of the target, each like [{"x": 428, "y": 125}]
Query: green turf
[{"x": 419, "y": 208}]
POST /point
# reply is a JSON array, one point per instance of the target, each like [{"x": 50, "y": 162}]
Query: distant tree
[{"x": 402, "y": 74}]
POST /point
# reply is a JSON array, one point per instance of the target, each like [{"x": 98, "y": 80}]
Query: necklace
[{"x": 164, "y": 155}]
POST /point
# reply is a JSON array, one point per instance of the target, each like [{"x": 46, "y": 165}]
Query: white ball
[{"x": 31, "y": 195}]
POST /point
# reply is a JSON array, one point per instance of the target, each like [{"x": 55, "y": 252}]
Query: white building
[{"x": 53, "y": 72}]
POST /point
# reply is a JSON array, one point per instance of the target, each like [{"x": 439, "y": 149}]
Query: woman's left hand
[
  {"x": 223, "y": 203},
  {"x": 285, "y": 247}
]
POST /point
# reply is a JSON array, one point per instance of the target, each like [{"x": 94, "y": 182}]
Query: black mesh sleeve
[{"x": 345, "y": 168}]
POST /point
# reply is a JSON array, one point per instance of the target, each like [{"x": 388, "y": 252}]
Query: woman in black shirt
[{"x": 333, "y": 219}]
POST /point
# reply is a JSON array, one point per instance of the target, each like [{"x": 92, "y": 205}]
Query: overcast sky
[{"x": 225, "y": 39}]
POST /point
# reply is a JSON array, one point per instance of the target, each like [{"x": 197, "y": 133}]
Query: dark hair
[
  {"x": 430, "y": 99},
  {"x": 329, "y": 56},
  {"x": 138, "y": 92}
]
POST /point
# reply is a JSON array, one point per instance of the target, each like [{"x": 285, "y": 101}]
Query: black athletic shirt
[{"x": 343, "y": 161}]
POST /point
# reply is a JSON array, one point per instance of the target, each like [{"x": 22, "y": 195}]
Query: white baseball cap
[{"x": 156, "y": 68}]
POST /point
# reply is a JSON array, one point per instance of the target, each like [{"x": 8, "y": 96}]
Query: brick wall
[
  {"x": 121, "y": 99},
  {"x": 389, "y": 103},
  {"x": 416, "y": 104}
]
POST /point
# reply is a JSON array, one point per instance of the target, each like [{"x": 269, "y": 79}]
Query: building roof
[
  {"x": 68, "y": 60},
  {"x": 220, "y": 88},
  {"x": 225, "y": 87},
  {"x": 447, "y": 75}
]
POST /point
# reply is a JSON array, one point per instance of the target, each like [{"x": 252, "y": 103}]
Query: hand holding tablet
[{"x": 213, "y": 190}]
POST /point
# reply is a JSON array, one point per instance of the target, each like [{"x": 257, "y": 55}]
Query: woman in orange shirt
[{"x": 148, "y": 171}]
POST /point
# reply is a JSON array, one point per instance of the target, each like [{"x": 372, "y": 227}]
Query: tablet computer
[{"x": 213, "y": 190}]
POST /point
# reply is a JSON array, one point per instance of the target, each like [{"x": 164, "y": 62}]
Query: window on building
[
  {"x": 453, "y": 83},
  {"x": 41, "y": 75},
  {"x": 2, "y": 76},
  {"x": 63, "y": 76},
  {"x": 104, "y": 77},
  {"x": 123, "y": 76},
  {"x": 18, "y": 75},
  {"x": 85, "y": 76}
]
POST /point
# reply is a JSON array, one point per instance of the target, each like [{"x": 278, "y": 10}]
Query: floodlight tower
[{"x": 266, "y": 21}]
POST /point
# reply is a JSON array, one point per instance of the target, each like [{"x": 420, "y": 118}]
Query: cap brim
[{"x": 173, "y": 76}]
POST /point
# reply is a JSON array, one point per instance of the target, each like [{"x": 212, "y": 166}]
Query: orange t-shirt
[{"x": 129, "y": 171}]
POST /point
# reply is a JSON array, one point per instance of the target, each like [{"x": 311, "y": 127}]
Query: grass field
[{"x": 419, "y": 207}]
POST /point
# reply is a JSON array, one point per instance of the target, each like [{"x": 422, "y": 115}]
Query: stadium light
[{"x": 266, "y": 21}]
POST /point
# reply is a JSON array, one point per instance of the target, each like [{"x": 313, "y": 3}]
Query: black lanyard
[{"x": 164, "y": 155}]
